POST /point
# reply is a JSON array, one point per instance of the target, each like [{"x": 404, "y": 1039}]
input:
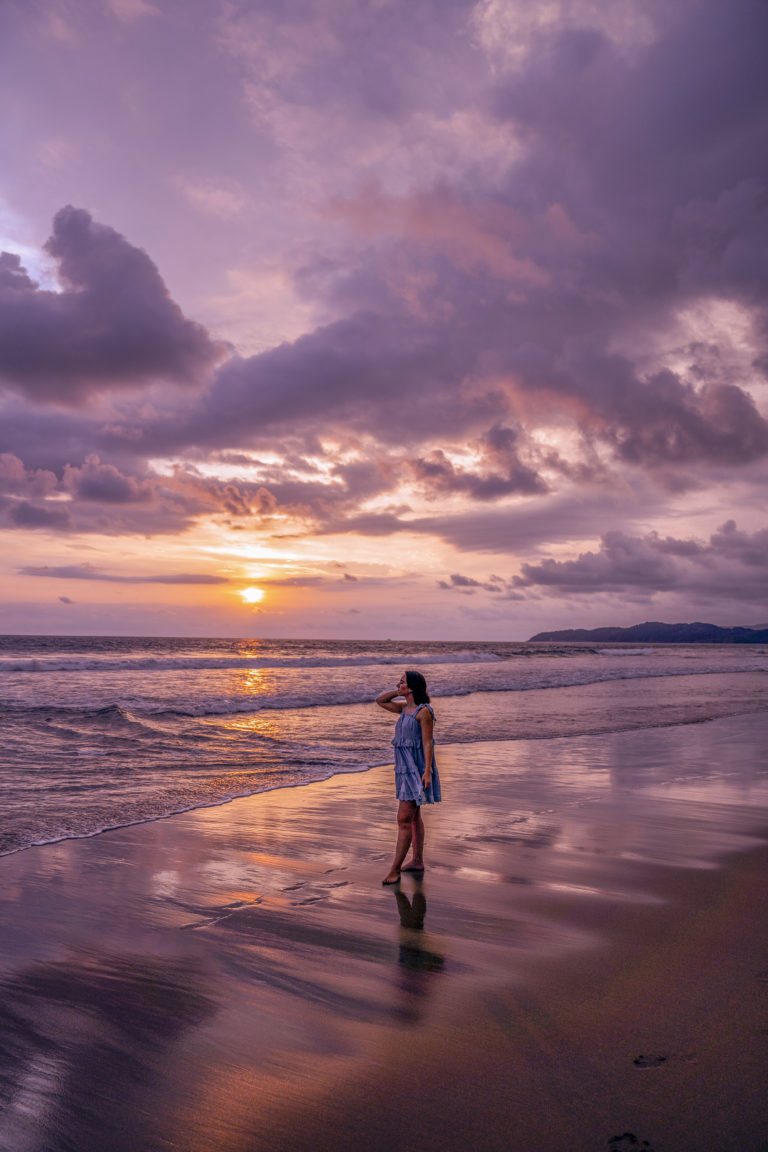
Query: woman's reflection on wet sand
[{"x": 418, "y": 959}]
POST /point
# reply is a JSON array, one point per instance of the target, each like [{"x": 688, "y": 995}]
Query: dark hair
[{"x": 418, "y": 686}]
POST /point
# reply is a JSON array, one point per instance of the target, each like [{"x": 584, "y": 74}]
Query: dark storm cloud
[
  {"x": 113, "y": 323},
  {"x": 86, "y": 572}
]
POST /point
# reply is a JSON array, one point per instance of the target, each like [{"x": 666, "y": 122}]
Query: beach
[{"x": 583, "y": 966}]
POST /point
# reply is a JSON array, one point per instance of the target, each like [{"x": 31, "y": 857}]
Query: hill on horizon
[{"x": 655, "y": 632}]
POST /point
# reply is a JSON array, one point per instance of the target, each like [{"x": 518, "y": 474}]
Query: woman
[{"x": 416, "y": 778}]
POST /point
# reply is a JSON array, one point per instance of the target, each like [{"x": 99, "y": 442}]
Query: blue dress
[{"x": 409, "y": 761}]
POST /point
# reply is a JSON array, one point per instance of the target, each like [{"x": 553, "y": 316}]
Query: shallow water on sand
[{"x": 103, "y": 732}]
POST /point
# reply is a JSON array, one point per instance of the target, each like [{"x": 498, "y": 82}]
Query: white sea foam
[
  {"x": 625, "y": 651},
  {"x": 211, "y": 663}
]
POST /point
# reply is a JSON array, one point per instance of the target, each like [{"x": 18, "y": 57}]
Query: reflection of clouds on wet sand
[
  {"x": 680, "y": 794},
  {"x": 81, "y": 1038}
]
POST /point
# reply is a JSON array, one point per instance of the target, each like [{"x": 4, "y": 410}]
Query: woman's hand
[{"x": 384, "y": 700}]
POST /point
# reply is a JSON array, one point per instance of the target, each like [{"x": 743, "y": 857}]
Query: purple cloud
[
  {"x": 732, "y": 563},
  {"x": 86, "y": 572},
  {"x": 469, "y": 584},
  {"x": 113, "y": 323},
  {"x": 16, "y": 479},
  {"x": 103, "y": 482},
  {"x": 53, "y": 518},
  {"x": 503, "y": 472}
]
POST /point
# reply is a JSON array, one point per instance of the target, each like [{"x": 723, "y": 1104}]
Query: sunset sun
[{"x": 252, "y": 595}]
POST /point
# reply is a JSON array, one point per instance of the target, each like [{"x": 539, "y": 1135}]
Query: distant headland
[{"x": 654, "y": 632}]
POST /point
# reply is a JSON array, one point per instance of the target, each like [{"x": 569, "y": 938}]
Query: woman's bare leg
[
  {"x": 405, "y": 815},
  {"x": 417, "y": 844}
]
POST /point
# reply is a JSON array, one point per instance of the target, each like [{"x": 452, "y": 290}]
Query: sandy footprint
[
  {"x": 628, "y": 1142},
  {"x": 649, "y": 1061},
  {"x": 659, "y": 1061}
]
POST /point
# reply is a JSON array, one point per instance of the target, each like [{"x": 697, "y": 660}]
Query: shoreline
[
  {"x": 234, "y": 978},
  {"x": 644, "y": 703}
]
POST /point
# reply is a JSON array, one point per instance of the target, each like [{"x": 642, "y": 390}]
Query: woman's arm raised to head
[{"x": 386, "y": 700}]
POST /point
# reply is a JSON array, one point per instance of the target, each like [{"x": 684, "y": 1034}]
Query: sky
[{"x": 419, "y": 319}]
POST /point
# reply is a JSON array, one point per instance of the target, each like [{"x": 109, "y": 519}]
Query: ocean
[{"x": 101, "y": 732}]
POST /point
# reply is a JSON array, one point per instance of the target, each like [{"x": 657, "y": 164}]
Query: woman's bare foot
[
  {"x": 392, "y": 877},
  {"x": 414, "y": 866}
]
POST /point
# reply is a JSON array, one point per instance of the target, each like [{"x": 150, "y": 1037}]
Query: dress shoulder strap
[{"x": 429, "y": 706}]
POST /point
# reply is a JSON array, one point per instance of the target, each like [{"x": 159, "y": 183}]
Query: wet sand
[{"x": 584, "y": 965}]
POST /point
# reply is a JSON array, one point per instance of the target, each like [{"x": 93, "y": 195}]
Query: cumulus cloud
[
  {"x": 20, "y": 481},
  {"x": 113, "y": 322},
  {"x": 103, "y": 482},
  {"x": 623, "y": 561},
  {"x": 50, "y": 517},
  {"x": 731, "y": 563}
]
